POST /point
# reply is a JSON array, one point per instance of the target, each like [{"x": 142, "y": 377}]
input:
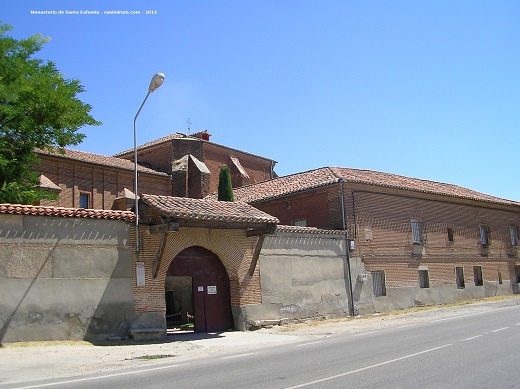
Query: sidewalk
[{"x": 31, "y": 361}]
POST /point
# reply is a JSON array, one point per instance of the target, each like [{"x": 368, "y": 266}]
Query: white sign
[
  {"x": 212, "y": 290},
  {"x": 139, "y": 273},
  {"x": 200, "y": 288}
]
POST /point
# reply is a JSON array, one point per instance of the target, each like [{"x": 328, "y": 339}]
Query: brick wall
[
  {"x": 381, "y": 225},
  {"x": 233, "y": 248},
  {"x": 258, "y": 169},
  {"x": 102, "y": 184},
  {"x": 312, "y": 206}
]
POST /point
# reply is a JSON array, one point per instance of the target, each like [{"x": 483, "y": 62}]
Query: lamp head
[{"x": 156, "y": 82}]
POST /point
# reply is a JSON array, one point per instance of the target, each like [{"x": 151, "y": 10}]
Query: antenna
[{"x": 188, "y": 122}]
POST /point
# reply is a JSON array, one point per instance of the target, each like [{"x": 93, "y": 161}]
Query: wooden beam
[
  {"x": 159, "y": 255},
  {"x": 256, "y": 254}
]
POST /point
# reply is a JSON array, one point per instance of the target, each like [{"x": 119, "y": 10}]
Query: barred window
[
  {"x": 484, "y": 234},
  {"x": 417, "y": 231},
  {"x": 513, "y": 231}
]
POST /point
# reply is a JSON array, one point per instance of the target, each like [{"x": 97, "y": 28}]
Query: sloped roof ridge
[
  {"x": 391, "y": 180},
  {"x": 178, "y": 135},
  {"x": 154, "y": 142},
  {"x": 99, "y": 159},
  {"x": 284, "y": 185},
  {"x": 207, "y": 209},
  {"x": 41, "y": 210}
]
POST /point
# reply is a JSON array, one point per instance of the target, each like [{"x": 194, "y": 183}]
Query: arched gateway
[
  {"x": 197, "y": 257},
  {"x": 197, "y": 291}
]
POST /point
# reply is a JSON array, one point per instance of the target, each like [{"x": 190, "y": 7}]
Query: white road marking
[
  {"x": 471, "y": 338},
  {"x": 237, "y": 356},
  {"x": 500, "y": 329},
  {"x": 307, "y": 344},
  {"x": 103, "y": 376},
  {"x": 369, "y": 367}
]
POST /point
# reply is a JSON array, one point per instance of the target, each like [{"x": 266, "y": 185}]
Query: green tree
[
  {"x": 38, "y": 110},
  {"x": 225, "y": 188}
]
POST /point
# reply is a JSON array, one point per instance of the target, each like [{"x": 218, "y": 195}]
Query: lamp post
[{"x": 156, "y": 82}]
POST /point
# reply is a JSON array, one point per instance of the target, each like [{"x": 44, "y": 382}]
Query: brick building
[
  {"x": 176, "y": 165},
  {"x": 330, "y": 241},
  {"x": 415, "y": 238}
]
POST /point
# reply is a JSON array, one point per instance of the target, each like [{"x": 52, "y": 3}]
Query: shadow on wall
[
  {"x": 10, "y": 317},
  {"x": 114, "y": 310}
]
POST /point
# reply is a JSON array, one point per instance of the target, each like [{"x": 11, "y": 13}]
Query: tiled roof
[
  {"x": 178, "y": 135},
  {"x": 38, "y": 210},
  {"x": 166, "y": 138},
  {"x": 312, "y": 179},
  {"x": 207, "y": 210},
  {"x": 308, "y": 230},
  {"x": 98, "y": 159},
  {"x": 285, "y": 185}
]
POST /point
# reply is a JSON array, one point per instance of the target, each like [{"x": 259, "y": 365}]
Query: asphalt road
[{"x": 473, "y": 350}]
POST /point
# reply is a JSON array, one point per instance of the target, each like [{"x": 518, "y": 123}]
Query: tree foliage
[
  {"x": 38, "y": 110},
  {"x": 225, "y": 188}
]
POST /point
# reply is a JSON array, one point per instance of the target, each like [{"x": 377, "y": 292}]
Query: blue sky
[{"x": 425, "y": 89}]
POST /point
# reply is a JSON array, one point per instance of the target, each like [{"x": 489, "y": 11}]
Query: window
[
  {"x": 500, "y": 278},
  {"x": 517, "y": 273},
  {"x": 459, "y": 277},
  {"x": 477, "y": 275},
  {"x": 450, "y": 235},
  {"x": 424, "y": 279},
  {"x": 484, "y": 235},
  {"x": 84, "y": 200},
  {"x": 417, "y": 231},
  {"x": 379, "y": 282},
  {"x": 513, "y": 231},
  {"x": 300, "y": 223}
]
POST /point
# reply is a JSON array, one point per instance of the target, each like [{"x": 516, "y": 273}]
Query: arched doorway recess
[{"x": 209, "y": 305}]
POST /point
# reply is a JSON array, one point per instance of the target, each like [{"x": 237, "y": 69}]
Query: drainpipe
[{"x": 347, "y": 249}]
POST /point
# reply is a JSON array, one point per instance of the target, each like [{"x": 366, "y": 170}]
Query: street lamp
[{"x": 156, "y": 82}]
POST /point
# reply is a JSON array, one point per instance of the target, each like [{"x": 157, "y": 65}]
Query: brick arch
[{"x": 231, "y": 246}]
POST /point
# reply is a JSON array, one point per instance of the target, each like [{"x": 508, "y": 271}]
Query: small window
[
  {"x": 417, "y": 231},
  {"x": 379, "y": 282},
  {"x": 300, "y": 223},
  {"x": 424, "y": 279},
  {"x": 513, "y": 231},
  {"x": 84, "y": 200},
  {"x": 517, "y": 273},
  {"x": 500, "y": 278},
  {"x": 477, "y": 275},
  {"x": 459, "y": 277},
  {"x": 450, "y": 235},
  {"x": 484, "y": 235}
]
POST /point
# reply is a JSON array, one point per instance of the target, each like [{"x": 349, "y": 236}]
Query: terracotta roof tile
[
  {"x": 179, "y": 135},
  {"x": 285, "y": 185},
  {"x": 312, "y": 179},
  {"x": 38, "y": 210},
  {"x": 308, "y": 230},
  {"x": 166, "y": 138},
  {"x": 207, "y": 210},
  {"x": 100, "y": 160}
]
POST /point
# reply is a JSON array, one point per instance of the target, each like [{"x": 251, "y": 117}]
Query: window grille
[
  {"x": 379, "y": 282},
  {"x": 477, "y": 275},
  {"x": 459, "y": 277},
  {"x": 424, "y": 279},
  {"x": 484, "y": 235},
  {"x": 417, "y": 231},
  {"x": 513, "y": 231}
]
